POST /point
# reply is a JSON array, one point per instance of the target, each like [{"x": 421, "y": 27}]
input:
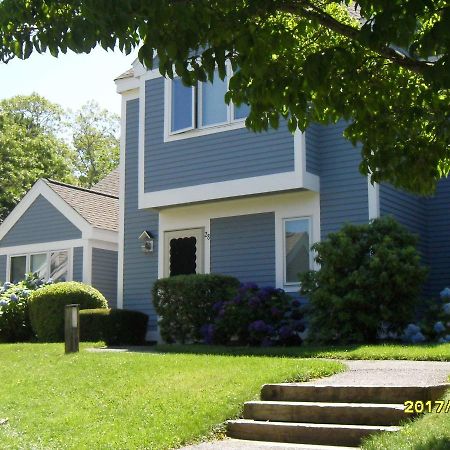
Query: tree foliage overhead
[
  {"x": 95, "y": 138},
  {"x": 38, "y": 139},
  {"x": 382, "y": 65},
  {"x": 30, "y": 147}
]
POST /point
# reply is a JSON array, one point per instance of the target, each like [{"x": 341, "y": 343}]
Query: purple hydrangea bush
[
  {"x": 256, "y": 316},
  {"x": 436, "y": 324},
  {"x": 14, "y": 314}
]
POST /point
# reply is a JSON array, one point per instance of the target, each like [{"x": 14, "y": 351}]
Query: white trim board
[{"x": 373, "y": 194}]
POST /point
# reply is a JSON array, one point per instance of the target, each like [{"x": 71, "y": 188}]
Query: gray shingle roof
[
  {"x": 108, "y": 185},
  {"x": 128, "y": 74},
  {"x": 100, "y": 209}
]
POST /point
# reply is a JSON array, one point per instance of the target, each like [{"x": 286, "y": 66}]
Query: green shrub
[
  {"x": 15, "y": 323},
  {"x": 256, "y": 316},
  {"x": 184, "y": 303},
  {"x": 114, "y": 326},
  {"x": 47, "y": 307},
  {"x": 370, "y": 278}
]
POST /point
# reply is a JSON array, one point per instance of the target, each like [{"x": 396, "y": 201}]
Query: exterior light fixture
[{"x": 147, "y": 240}]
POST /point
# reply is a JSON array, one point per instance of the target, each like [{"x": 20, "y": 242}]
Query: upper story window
[
  {"x": 54, "y": 265},
  {"x": 202, "y": 106},
  {"x": 297, "y": 244}
]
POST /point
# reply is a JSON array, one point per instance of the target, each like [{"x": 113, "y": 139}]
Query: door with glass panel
[{"x": 183, "y": 252}]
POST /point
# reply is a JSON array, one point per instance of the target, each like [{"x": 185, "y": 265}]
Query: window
[
  {"x": 296, "y": 248},
  {"x": 53, "y": 265},
  {"x": 38, "y": 264},
  {"x": 202, "y": 106},
  {"x": 18, "y": 268}
]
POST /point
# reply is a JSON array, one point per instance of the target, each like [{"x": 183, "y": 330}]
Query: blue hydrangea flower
[
  {"x": 254, "y": 302},
  {"x": 3, "y": 303},
  {"x": 285, "y": 332},
  {"x": 445, "y": 293},
  {"x": 7, "y": 285},
  {"x": 14, "y": 297},
  {"x": 25, "y": 292},
  {"x": 411, "y": 330},
  {"x": 446, "y": 308},
  {"x": 258, "y": 326},
  {"x": 439, "y": 327},
  {"x": 417, "y": 338},
  {"x": 217, "y": 306}
]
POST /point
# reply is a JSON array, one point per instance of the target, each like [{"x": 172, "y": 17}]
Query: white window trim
[
  {"x": 311, "y": 259},
  {"x": 198, "y": 129},
  {"x": 48, "y": 253}
]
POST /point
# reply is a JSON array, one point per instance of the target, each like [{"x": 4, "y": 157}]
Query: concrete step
[
  {"x": 302, "y": 433},
  {"x": 319, "y": 412},
  {"x": 291, "y": 392}
]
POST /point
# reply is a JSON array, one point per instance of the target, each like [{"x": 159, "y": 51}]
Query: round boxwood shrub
[
  {"x": 47, "y": 307},
  {"x": 370, "y": 279}
]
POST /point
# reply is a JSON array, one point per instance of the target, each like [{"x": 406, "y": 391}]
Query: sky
[{"x": 69, "y": 80}]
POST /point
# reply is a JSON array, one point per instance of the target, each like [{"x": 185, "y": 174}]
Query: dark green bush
[
  {"x": 370, "y": 277},
  {"x": 48, "y": 303},
  {"x": 114, "y": 326},
  {"x": 184, "y": 303}
]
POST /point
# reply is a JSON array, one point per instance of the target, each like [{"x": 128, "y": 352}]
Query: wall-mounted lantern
[{"x": 147, "y": 240}]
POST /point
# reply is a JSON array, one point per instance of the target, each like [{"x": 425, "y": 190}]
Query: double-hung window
[
  {"x": 203, "y": 105},
  {"x": 297, "y": 244},
  {"x": 53, "y": 264}
]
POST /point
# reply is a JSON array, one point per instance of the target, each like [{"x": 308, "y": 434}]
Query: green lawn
[
  {"x": 430, "y": 432},
  {"x": 428, "y": 352},
  {"x": 129, "y": 400}
]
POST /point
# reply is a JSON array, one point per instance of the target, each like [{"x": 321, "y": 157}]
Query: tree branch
[{"x": 305, "y": 9}]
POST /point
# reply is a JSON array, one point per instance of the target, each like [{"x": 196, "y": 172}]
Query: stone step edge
[
  {"x": 389, "y": 428},
  {"x": 398, "y": 406},
  {"x": 287, "y": 445}
]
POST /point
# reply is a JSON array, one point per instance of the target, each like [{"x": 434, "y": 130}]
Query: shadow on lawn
[{"x": 200, "y": 349}]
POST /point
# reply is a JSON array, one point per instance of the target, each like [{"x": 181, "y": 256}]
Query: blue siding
[
  {"x": 343, "y": 190},
  {"x": 3, "y": 259},
  {"x": 42, "y": 222},
  {"x": 407, "y": 209},
  {"x": 438, "y": 213},
  {"x": 244, "y": 247},
  {"x": 104, "y": 274},
  {"x": 77, "y": 268},
  {"x": 312, "y": 140},
  {"x": 216, "y": 157},
  {"x": 140, "y": 269}
]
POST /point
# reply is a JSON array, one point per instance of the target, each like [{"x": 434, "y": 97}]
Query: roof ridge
[{"x": 79, "y": 188}]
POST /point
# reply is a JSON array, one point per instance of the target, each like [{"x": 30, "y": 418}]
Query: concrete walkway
[{"x": 359, "y": 373}]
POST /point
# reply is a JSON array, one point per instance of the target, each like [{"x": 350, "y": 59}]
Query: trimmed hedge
[
  {"x": 114, "y": 326},
  {"x": 185, "y": 303},
  {"x": 47, "y": 307}
]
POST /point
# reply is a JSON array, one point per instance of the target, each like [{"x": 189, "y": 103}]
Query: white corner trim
[
  {"x": 373, "y": 191},
  {"x": 87, "y": 262},
  {"x": 141, "y": 142},
  {"x": 102, "y": 245},
  {"x": 41, "y": 188},
  {"x": 132, "y": 95}
]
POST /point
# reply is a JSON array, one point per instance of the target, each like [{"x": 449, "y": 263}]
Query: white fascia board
[
  {"x": 126, "y": 84},
  {"x": 103, "y": 235},
  {"x": 41, "y": 188},
  {"x": 102, "y": 245},
  {"x": 41, "y": 247}
]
